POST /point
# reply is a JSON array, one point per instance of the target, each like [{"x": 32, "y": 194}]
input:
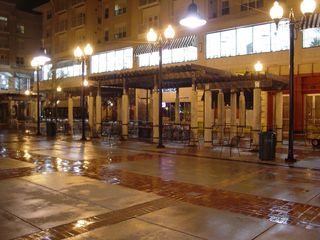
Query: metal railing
[{"x": 177, "y": 133}]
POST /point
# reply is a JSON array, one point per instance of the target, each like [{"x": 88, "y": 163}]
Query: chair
[{"x": 233, "y": 143}]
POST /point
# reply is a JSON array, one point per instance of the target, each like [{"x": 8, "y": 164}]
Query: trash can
[
  {"x": 51, "y": 129},
  {"x": 267, "y": 145}
]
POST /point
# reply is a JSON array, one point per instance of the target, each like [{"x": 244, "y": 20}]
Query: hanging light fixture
[{"x": 192, "y": 18}]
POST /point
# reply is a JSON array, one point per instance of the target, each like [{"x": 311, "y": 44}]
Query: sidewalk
[{"x": 63, "y": 188}]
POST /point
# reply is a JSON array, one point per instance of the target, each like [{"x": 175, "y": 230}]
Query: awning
[
  {"x": 186, "y": 41},
  {"x": 65, "y": 63},
  {"x": 312, "y": 21},
  {"x": 23, "y": 75},
  {"x": 7, "y": 74}
]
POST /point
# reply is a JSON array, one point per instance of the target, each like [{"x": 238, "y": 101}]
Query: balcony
[
  {"x": 147, "y": 3},
  {"x": 78, "y": 21},
  {"x": 61, "y": 26},
  {"x": 75, "y": 3}
]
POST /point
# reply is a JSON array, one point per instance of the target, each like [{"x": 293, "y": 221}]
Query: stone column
[
  {"x": 194, "y": 115},
  {"x": 221, "y": 115},
  {"x": 242, "y": 109},
  {"x": 256, "y": 117},
  {"x": 155, "y": 114},
  {"x": 150, "y": 112},
  {"x": 119, "y": 103},
  {"x": 98, "y": 114},
  {"x": 90, "y": 112},
  {"x": 70, "y": 114},
  {"x": 125, "y": 113},
  {"x": 33, "y": 110},
  {"x": 177, "y": 108},
  {"x": 136, "y": 106},
  {"x": 279, "y": 115},
  {"x": 233, "y": 115},
  {"x": 207, "y": 116}
]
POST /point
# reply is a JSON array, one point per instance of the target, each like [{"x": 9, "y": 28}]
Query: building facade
[
  {"x": 20, "y": 38},
  {"x": 236, "y": 36}
]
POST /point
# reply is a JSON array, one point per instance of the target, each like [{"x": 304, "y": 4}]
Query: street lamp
[
  {"x": 258, "y": 67},
  {"x": 192, "y": 18},
  {"x": 307, "y": 7},
  {"x": 83, "y": 57},
  {"x": 38, "y": 62},
  {"x": 157, "y": 39}
]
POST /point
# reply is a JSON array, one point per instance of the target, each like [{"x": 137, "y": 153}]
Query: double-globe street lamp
[
  {"x": 307, "y": 7},
  {"x": 192, "y": 19},
  {"x": 83, "y": 55},
  {"x": 38, "y": 62}
]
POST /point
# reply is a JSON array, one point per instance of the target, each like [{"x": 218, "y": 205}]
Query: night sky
[{"x": 27, "y": 5}]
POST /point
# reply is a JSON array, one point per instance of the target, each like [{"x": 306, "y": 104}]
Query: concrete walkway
[{"x": 63, "y": 188}]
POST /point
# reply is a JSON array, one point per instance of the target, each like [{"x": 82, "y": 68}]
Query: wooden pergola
[{"x": 185, "y": 75}]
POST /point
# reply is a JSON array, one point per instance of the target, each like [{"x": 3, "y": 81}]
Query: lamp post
[
  {"x": 157, "y": 39},
  {"x": 38, "y": 62},
  {"x": 83, "y": 57},
  {"x": 307, "y": 7}
]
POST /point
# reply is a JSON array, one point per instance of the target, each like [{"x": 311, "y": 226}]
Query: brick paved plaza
[{"x": 64, "y": 188}]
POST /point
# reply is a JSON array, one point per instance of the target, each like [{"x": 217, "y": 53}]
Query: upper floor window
[
  {"x": 46, "y": 71},
  {"x": 49, "y": 14},
  {"x": 248, "y": 40},
  {"x": 311, "y": 37},
  {"x": 4, "y": 83},
  {"x": 120, "y": 31},
  {"x": 225, "y": 8},
  {"x": 176, "y": 55},
  {"x": 112, "y": 60},
  {"x": 106, "y": 13},
  {"x": 250, "y": 4},
  {"x": 20, "y": 29},
  {"x": 3, "y": 23},
  {"x": 19, "y": 61},
  {"x": 120, "y": 7}
]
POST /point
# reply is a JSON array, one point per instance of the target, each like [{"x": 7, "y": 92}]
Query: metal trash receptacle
[
  {"x": 267, "y": 145},
  {"x": 51, "y": 129}
]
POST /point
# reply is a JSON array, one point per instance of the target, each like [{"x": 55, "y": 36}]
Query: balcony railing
[
  {"x": 77, "y": 2},
  {"x": 144, "y": 3},
  {"x": 78, "y": 21},
  {"x": 61, "y": 26}
]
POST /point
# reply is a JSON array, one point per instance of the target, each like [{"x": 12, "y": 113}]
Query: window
[
  {"x": 248, "y": 40},
  {"x": 69, "y": 71},
  {"x": 175, "y": 55},
  {"x": 20, "y": 29},
  {"x": 49, "y": 14},
  {"x": 225, "y": 8},
  {"x": 120, "y": 31},
  {"x": 120, "y": 8},
  {"x": 106, "y": 35},
  {"x": 228, "y": 43},
  {"x": 20, "y": 61},
  {"x": 311, "y": 37},
  {"x": 250, "y": 4},
  {"x": 106, "y": 13},
  {"x": 3, "y": 24},
  {"x": 4, "y": 83},
  {"x": 112, "y": 60},
  {"x": 46, "y": 71}
]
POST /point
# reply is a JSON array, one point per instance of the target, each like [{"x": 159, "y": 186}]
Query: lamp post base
[
  {"x": 38, "y": 134},
  {"x": 160, "y": 145},
  {"x": 290, "y": 159},
  {"x": 83, "y": 139}
]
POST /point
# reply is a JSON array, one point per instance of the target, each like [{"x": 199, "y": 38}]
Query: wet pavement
[{"x": 64, "y": 188}]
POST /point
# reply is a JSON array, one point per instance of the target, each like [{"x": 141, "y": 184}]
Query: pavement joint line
[
  {"x": 169, "y": 228},
  {"x": 261, "y": 233},
  {"x": 88, "y": 224},
  {"x": 271, "y": 164}
]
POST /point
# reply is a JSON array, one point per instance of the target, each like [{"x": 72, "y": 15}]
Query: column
[
  {"x": 125, "y": 112},
  {"x": 233, "y": 115},
  {"x": 70, "y": 114},
  {"x": 256, "y": 117},
  {"x": 90, "y": 112},
  {"x": 177, "y": 108},
  {"x": 207, "y": 116},
  {"x": 279, "y": 115},
  {"x": 150, "y": 111},
  {"x": 242, "y": 109},
  {"x": 155, "y": 114},
  {"x": 194, "y": 115},
  {"x": 136, "y": 107},
  {"x": 119, "y": 103},
  {"x": 33, "y": 110},
  {"x": 221, "y": 115},
  {"x": 98, "y": 114}
]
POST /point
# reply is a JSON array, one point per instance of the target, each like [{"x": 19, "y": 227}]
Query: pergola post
[
  {"x": 279, "y": 115},
  {"x": 207, "y": 116},
  {"x": 155, "y": 112},
  {"x": 177, "y": 108},
  {"x": 256, "y": 117},
  {"x": 221, "y": 116},
  {"x": 90, "y": 112},
  {"x": 242, "y": 109},
  {"x": 70, "y": 114},
  {"x": 194, "y": 114},
  {"x": 233, "y": 116},
  {"x": 125, "y": 111}
]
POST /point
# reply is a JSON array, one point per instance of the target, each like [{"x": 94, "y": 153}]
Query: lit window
[
  {"x": 20, "y": 29},
  {"x": 127, "y": 58},
  {"x": 244, "y": 41},
  {"x": 95, "y": 64},
  {"x": 311, "y": 37},
  {"x": 280, "y": 37},
  {"x": 261, "y": 38},
  {"x": 213, "y": 45},
  {"x": 111, "y": 59},
  {"x": 228, "y": 43},
  {"x": 102, "y": 62}
]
